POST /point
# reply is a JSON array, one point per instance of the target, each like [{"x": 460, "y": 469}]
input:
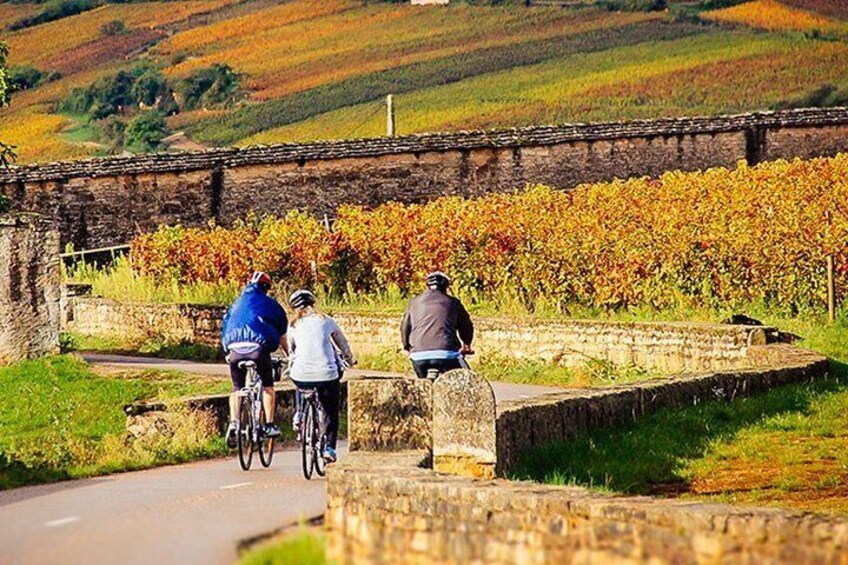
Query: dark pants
[
  {"x": 442, "y": 365},
  {"x": 264, "y": 366},
  {"x": 329, "y": 393}
]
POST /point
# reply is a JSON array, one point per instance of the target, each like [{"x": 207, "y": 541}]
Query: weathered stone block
[
  {"x": 29, "y": 287},
  {"x": 464, "y": 425},
  {"x": 389, "y": 414}
]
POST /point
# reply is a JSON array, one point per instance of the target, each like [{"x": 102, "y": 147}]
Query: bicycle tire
[
  {"x": 320, "y": 443},
  {"x": 266, "y": 444},
  {"x": 245, "y": 433},
  {"x": 307, "y": 454}
]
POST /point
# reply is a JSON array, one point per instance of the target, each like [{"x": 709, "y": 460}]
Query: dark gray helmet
[
  {"x": 437, "y": 280},
  {"x": 301, "y": 299}
]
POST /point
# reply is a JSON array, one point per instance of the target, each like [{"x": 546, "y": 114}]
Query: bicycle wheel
[
  {"x": 320, "y": 443},
  {"x": 245, "y": 433},
  {"x": 266, "y": 444},
  {"x": 307, "y": 454}
]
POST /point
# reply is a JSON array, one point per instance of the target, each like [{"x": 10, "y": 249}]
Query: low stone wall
[
  {"x": 29, "y": 287},
  {"x": 666, "y": 347},
  {"x": 527, "y": 423},
  {"x": 386, "y": 508},
  {"x": 386, "y": 504},
  {"x": 141, "y": 416}
]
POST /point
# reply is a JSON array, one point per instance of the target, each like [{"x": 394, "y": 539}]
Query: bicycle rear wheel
[
  {"x": 320, "y": 443},
  {"x": 266, "y": 444},
  {"x": 307, "y": 453},
  {"x": 245, "y": 433}
]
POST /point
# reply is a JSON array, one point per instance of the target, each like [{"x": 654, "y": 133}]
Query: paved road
[
  {"x": 503, "y": 391},
  {"x": 194, "y": 513}
]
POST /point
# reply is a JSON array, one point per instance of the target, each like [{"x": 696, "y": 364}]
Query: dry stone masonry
[
  {"x": 29, "y": 287},
  {"x": 106, "y": 201},
  {"x": 666, "y": 347},
  {"x": 389, "y": 502}
]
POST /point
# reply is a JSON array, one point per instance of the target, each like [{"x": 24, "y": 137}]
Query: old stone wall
[
  {"x": 29, "y": 287},
  {"x": 105, "y": 201},
  {"x": 387, "y": 508},
  {"x": 667, "y": 347},
  {"x": 386, "y": 505}
]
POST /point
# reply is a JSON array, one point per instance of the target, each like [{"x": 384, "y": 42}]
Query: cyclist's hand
[{"x": 466, "y": 349}]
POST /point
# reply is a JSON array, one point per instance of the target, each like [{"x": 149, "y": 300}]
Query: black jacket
[{"x": 432, "y": 322}]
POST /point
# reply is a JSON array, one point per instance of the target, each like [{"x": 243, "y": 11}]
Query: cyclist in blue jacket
[{"x": 254, "y": 327}]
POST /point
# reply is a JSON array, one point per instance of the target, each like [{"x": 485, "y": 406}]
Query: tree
[
  {"x": 145, "y": 131},
  {"x": 7, "y": 153}
]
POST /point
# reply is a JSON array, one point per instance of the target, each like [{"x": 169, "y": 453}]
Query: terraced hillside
[{"x": 263, "y": 71}]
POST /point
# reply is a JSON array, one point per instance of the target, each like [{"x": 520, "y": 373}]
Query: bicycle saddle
[{"x": 247, "y": 364}]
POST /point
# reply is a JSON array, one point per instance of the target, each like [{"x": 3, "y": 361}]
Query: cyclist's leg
[
  {"x": 421, "y": 367},
  {"x": 238, "y": 376},
  {"x": 445, "y": 365},
  {"x": 329, "y": 394},
  {"x": 265, "y": 369}
]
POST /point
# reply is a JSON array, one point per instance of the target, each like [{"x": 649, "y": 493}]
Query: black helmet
[
  {"x": 437, "y": 280},
  {"x": 301, "y": 299}
]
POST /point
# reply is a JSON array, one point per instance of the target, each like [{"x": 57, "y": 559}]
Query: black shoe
[{"x": 231, "y": 435}]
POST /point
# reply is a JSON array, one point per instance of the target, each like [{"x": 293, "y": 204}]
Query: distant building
[{"x": 429, "y": 2}]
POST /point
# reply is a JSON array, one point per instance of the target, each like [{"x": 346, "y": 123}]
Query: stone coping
[{"x": 463, "y": 140}]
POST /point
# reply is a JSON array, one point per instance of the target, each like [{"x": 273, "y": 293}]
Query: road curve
[{"x": 193, "y": 513}]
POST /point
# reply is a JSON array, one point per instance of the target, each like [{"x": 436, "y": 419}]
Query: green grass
[
  {"x": 61, "y": 420},
  {"x": 786, "y": 448},
  {"x": 149, "y": 347},
  {"x": 305, "y": 548}
]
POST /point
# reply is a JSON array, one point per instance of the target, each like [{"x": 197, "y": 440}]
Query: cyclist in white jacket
[{"x": 319, "y": 354}]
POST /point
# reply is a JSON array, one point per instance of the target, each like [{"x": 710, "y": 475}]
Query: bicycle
[
  {"x": 252, "y": 419},
  {"x": 313, "y": 434}
]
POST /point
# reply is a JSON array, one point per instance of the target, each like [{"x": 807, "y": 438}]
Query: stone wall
[
  {"x": 388, "y": 505},
  {"x": 29, "y": 287},
  {"x": 667, "y": 347},
  {"x": 387, "y": 508},
  {"x": 106, "y": 201}
]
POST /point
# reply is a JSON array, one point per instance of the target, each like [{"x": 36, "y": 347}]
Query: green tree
[
  {"x": 7, "y": 153},
  {"x": 145, "y": 131}
]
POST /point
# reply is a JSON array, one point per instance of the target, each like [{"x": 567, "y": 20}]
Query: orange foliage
[{"x": 712, "y": 237}]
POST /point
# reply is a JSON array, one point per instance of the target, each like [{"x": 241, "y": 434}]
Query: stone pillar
[
  {"x": 29, "y": 287},
  {"x": 389, "y": 414},
  {"x": 464, "y": 415}
]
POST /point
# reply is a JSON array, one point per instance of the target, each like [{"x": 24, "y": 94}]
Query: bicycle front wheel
[
  {"x": 266, "y": 444},
  {"x": 245, "y": 433},
  {"x": 306, "y": 450}
]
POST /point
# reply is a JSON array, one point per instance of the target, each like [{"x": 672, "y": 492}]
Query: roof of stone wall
[{"x": 463, "y": 140}]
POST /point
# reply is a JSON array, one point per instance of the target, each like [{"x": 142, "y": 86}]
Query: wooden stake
[
  {"x": 390, "y": 116},
  {"x": 831, "y": 291}
]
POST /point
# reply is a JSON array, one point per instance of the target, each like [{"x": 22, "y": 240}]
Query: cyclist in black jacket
[{"x": 436, "y": 329}]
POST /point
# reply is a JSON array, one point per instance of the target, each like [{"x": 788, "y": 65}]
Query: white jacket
[{"x": 317, "y": 347}]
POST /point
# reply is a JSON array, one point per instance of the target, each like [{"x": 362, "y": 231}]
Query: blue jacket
[{"x": 255, "y": 318}]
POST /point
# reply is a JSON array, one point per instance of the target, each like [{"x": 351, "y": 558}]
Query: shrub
[{"x": 114, "y": 27}]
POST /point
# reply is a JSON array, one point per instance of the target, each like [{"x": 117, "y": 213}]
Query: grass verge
[
  {"x": 786, "y": 448},
  {"x": 306, "y": 548},
  {"x": 61, "y": 420}
]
